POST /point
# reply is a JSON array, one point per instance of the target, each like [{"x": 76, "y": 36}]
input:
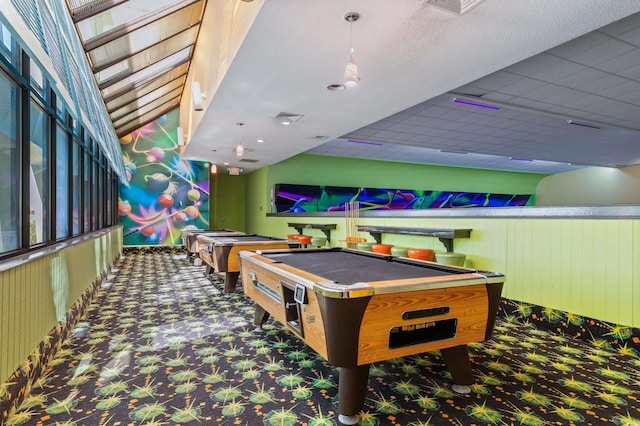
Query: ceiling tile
[
  {"x": 557, "y": 71},
  {"x": 533, "y": 64},
  {"x": 521, "y": 86},
  {"x": 581, "y": 78},
  {"x": 602, "y": 52},
  {"x": 620, "y": 63},
  {"x": 631, "y": 36}
]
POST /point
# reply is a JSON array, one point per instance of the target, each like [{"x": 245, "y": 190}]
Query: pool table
[
  {"x": 220, "y": 253},
  {"x": 190, "y": 237},
  {"x": 355, "y": 308}
]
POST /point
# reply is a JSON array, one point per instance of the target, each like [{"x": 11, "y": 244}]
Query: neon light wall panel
[{"x": 310, "y": 198}]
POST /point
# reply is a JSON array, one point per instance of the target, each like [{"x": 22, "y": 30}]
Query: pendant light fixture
[
  {"x": 214, "y": 167},
  {"x": 239, "y": 150},
  {"x": 351, "y": 76}
]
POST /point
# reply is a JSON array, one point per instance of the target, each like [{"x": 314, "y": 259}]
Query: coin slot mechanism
[
  {"x": 423, "y": 313},
  {"x": 292, "y": 307}
]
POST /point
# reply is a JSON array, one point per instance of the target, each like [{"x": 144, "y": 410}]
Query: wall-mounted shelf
[
  {"x": 326, "y": 228},
  {"x": 446, "y": 236}
]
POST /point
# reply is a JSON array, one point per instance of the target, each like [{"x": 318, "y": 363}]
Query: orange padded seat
[
  {"x": 304, "y": 240},
  {"x": 421, "y": 254},
  {"x": 381, "y": 248}
]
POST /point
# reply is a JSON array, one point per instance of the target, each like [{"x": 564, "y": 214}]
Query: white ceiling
[{"x": 542, "y": 63}]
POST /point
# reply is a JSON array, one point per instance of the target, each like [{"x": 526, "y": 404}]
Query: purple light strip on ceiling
[
  {"x": 363, "y": 142},
  {"x": 460, "y": 101}
]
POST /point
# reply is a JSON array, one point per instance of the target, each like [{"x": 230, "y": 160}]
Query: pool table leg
[
  {"x": 459, "y": 365},
  {"x": 352, "y": 389},
  {"x": 208, "y": 270},
  {"x": 230, "y": 280},
  {"x": 260, "y": 316}
]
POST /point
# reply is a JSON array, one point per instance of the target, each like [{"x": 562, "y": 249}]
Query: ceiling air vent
[
  {"x": 288, "y": 117},
  {"x": 247, "y": 160},
  {"x": 457, "y": 6}
]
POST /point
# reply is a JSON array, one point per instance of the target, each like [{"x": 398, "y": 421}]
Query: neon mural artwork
[
  {"x": 165, "y": 193},
  {"x": 310, "y": 198}
]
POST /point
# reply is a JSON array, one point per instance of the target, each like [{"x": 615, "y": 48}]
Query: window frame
[{"x": 102, "y": 183}]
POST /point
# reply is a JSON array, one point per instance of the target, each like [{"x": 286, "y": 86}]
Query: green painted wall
[
  {"x": 583, "y": 266},
  {"x": 35, "y": 295},
  {"x": 228, "y": 197}
]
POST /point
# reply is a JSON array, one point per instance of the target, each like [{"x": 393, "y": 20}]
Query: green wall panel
[
  {"x": 35, "y": 295},
  {"x": 257, "y": 204},
  {"x": 228, "y": 201}
]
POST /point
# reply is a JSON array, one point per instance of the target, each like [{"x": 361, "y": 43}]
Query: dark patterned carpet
[{"x": 161, "y": 345}]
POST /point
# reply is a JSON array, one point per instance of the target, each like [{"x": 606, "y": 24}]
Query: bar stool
[
  {"x": 318, "y": 241},
  {"x": 399, "y": 251},
  {"x": 304, "y": 240},
  {"x": 451, "y": 258},
  {"x": 381, "y": 248},
  {"x": 364, "y": 246},
  {"x": 421, "y": 254}
]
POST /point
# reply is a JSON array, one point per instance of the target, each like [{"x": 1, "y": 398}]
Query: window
[
  {"x": 101, "y": 184},
  {"x": 86, "y": 196},
  {"x": 109, "y": 199},
  {"x": 38, "y": 179},
  {"x": 62, "y": 183},
  {"x": 9, "y": 196},
  {"x": 60, "y": 109},
  {"x": 76, "y": 191},
  {"x": 94, "y": 195},
  {"x": 7, "y": 45},
  {"x": 37, "y": 79}
]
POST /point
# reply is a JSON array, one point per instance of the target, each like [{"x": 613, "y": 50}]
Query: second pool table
[{"x": 220, "y": 252}]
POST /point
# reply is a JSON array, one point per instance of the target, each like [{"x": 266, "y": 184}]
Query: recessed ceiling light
[
  {"x": 285, "y": 122},
  {"x": 363, "y": 142},
  {"x": 454, "y": 151},
  {"x": 336, "y": 87},
  {"x": 575, "y": 123},
  {"x": 260, "y": 140}
]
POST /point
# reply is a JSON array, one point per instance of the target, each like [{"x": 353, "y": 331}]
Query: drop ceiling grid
[{"x": 567, "y": 94}]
